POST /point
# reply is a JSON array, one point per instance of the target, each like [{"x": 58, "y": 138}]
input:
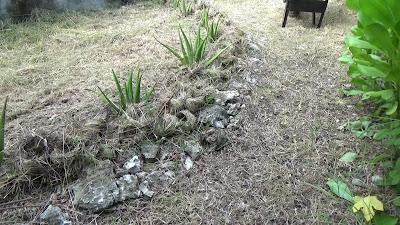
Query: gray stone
[
  {"x": 54, "y": 216},
  {"x": 193, "y": 149},
  {"x": 377, "y": 180},
  {"x": 96, "y": 194},
  {"x": 224, "y": 97},
  {"x": 128, "y": 186},
  {"x": 358, "y": 182},
  {"x": 133, "y": 165},
  {"x": 158, "y": 179},
  {"x": 100, "y": 189},
  {"x": 215, "y": 115},
  {"x": 150, "y": 151},
  {"x": 214, "y": 139},
  {"x": 187, "y": 162},
  {"x": 195, "y": 104},
  {"x": 145, "y": 189},
  {"x": 233, "y": 109}
]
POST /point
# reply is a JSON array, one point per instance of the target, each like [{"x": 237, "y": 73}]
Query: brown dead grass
[{"x": 288, "y": 143}]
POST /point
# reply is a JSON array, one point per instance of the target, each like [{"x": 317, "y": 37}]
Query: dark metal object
[{"x": 314, "y": 6}]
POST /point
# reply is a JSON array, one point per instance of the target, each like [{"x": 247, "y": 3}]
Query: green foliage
[
  {"x": 2, "y": 129},
  {"x": 130, "y": 94},
  {"x": 176, "y": 3},
  {"x": 211, "y": 28},
  {"x": 186, "y": 7},
  {"x": 192, "y": 51},
  {"x": 204, "y": 17},
  {"x": 383, "y": 219},
  {"x": 340, "y": 189},
  {"x": 373, "y": 57}
]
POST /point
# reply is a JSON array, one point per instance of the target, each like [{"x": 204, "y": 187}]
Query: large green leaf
[
  {"x": 378, "y": 11},
  {"x": 340, "y": 188},
  {"x": 371, "y": 71},
  {"x": 396, "y": 201},
  {"x": 383, "y": 219},
  {"x": 353, "y": 4},
  {"x": 352, "y": 41},
  {"x": 348, "y": 157},
  {"x": 379, "y": 36}
]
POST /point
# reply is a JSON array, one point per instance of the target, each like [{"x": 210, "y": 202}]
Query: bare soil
[{"x": 275, "y": 166}]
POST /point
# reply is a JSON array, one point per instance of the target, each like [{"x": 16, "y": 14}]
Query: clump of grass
[
  {"x": 192, "y": 51},
  {"x": 130, "y": 94},
  {"x": 2, "y": 130}
]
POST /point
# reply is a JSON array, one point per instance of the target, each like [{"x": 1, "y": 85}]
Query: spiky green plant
[
  {"x": 204, "y": 17},
  {"x": 185, "y": 7},
  {"x": 130, "y": 94},
  {"x": 192, "y": 51},
  {"x": 2, "y": 130},
  {"x": 213, "y": 29}
]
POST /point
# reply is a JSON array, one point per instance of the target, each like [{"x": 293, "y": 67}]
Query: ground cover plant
[{"x": 374, "y": 68}]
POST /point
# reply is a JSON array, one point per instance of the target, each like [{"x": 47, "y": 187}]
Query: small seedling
[
  {"x": 131, "y": 93},
  {"x": 2, "y": 130},
  {"x": 192, "y": 51}
]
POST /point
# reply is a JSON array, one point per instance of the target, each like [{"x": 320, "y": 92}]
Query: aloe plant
[
  {"x": 192, "y": 51},
  {"x": 185, "y": 7},
  {"x": 2, "y": 129},
  {"x": 213, "y": 29},
  {"x": 130, "y": 94},
  {"x": 176, "y": 3},
  {"x": 204, "y": 17}
]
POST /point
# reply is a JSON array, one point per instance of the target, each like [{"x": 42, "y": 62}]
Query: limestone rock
[
  {"x": 150, "y": 151},
  {"x": 193, "y": 149},
  {"x": 215, "y": 115},
  {"x": 134, "y": 165},
  {"x": 54, "y": 216}
]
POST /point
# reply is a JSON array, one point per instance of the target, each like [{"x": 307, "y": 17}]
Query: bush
[{"x": 373, "y": 56}]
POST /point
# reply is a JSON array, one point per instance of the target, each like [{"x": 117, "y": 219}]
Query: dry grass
[{"x": 288, "y": 144}]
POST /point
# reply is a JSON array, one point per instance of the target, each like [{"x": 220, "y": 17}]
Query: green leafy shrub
[
  {"x": 192, "y": 51},
  {"x": 130, "y": 94},
  {"x": 2, "y": 129},
  {"x": 373, "y": 56}
]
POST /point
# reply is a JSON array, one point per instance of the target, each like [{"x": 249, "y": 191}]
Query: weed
[
  {"x": 130, "y": 94},
  {"x": 2, "y": 130},
  {"x": 192, "y": 51}
]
